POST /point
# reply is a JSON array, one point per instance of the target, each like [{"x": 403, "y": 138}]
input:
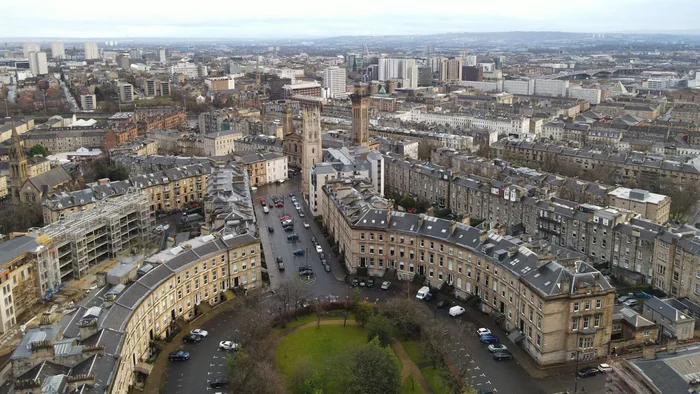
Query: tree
[
  {"x": 38, "y": 150},
  {"x": 378, "y": 326},
  {"x": 433, "y": 341},
  {"x": 363, "y": 312},
  {"x": 407, "y": 202},
  {"x": 103, "y": 168},
  {"x": 425, "y": 149},
  {"x": 367, "y": 369},
  {"x": 406, "y": 316},
  {"x": 683, "y": 198},
  {"x": 20, "y": 217}
]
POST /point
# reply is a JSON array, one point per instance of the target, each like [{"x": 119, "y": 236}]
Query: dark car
[
  {"x": 219, "y": 382},
  {"x": 179, "y": 356},
  {"x": 443, "y": 304},
  {"x": 270, "y": 229},
  {"x": 355, "y": 282},
  {"x": 306, "y": 272},
  {"x": 299, "y": 252},
  {"x": 486, "y": 390},
  {"x": 192, "y": 338},
  {"x": 488, "y": 338},
  {"x": 327, "y": 267},
  {"x": 370, "y": 282},
  {"x": 313, "y": 240},
  {"x": 304, "y": 267},
  {"x": 586, "y": 372},
  {"x": 280, "y": 264},
  {"x": 279, "y": 204},
  {"x": 503, "y": 355},
  {"x": 292, "y": 237},
  {"x": 324, "y": 261},
  {"x": 289, "y": 228},
  {"x": 428, "y": 297},
  {"x": 291, "y": 194}
]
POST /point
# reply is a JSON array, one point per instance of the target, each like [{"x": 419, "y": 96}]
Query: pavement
[{"x": 515, "y": 376}]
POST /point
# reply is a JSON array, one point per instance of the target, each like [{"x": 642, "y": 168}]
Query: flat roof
[{"x": 624, "y": 193}]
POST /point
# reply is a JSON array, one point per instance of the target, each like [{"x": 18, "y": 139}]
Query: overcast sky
[{"x": 322, "y": 18}]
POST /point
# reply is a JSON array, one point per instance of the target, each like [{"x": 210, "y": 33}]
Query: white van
[
  {"x": 456, "y": 310},
  {"x": 423, "y": 292}
]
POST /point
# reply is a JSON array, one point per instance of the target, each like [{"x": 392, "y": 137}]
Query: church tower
[
  {"x": 360, "y": 115},
  {"x": 18, "y": 167},
  {"x": 311, "y": 145}
]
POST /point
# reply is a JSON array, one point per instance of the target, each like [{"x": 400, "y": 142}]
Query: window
[
  {"x": 596, "y": 321},
  {"x": 598, "y": 304},
  {"x": 585, "y": 343},
  {"x": 574, "y": 325},
  {"x": 587, "y": 305},
  {"x": 539, "y": 322},
  {"x": 362, "y": 235},
  {"x": 586, "y": 321},
  {"x": 576, "y": 309},
  {"x": 647, "y": 333}
]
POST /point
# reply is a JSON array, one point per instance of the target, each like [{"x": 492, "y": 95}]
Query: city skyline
[{"x": 315, "y": 21}]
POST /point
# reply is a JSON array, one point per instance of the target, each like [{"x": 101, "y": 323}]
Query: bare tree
[{"x": 297, "y": 292}]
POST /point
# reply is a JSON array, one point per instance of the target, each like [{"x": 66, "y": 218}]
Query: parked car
[
  {"x": 363, "y": 283},
  {"x": 270, "y": 229},
  {"x": 285, "y": 217},
  {"x": 262, "y": 201},
  {"x": 306, "y": 225},
  {"x": 287, "y": 222},
  {"x": 292, "y": 237},
  {"x": 327, "y": 267},
  {"x": 488, "y": 338},
  {"x": 456, "y": 310},
  {"x": 228, "y": 345},
  {"x": 324, "y": 261},
  {"x": 280, "y": 264},
  {"x": 355, "y": 282},
  {"x": 428, "y": 297},
  {"x": 200, "y": 332},
  {"x": 485, "y": 390},
  {"x": 289, "y": 228},
  {"x": 279, "y": 204},
  {"x": 504, "y": 355},
  {"x": 299, "y": 252},
  {"x": 370, "y": 282},
  {"x": 622, "y": 299},
  {"x": 385, "y": 285},
  {"x": 443, "y": 304},
  {"x": 483, "y": 331},
  {"x": 291, "y": 194},
  {"x": 266, "y": 209},
  {"x": 631, "y": 302},
  {"x": 319, "y": 249},
  {"x": 588, "y": 371},
  {"x": 604, "y": 367},
  {"x": 301, "y": 214},
  {"x": 179, "y": 356},
  {"x": 313, "y": 241},
  {"x": 191, "y": 338},
  {"x": 219, "y": 382},
  {"x": 497, "y": 347}
]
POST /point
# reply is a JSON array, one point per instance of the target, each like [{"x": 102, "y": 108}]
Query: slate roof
[
  {"x": 664, "y": 309},
  {"x": 15, "y": 247},
  {"x": 52, "y": 178}
]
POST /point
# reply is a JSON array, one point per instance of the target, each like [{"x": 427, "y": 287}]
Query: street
[{"x": 207, "y": 362}]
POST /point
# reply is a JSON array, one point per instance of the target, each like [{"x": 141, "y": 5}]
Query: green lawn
[
  {"x": 412, "y": 388},
  {"x": 434, "y": 379},
  {"x": 318, "y": 345},
  {"x": 415, "y": 353}
]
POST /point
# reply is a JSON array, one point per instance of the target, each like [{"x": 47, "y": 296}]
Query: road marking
[
  {"x": 221, "y": 365},
  {"x": 483, "y": 375},
  {"x": 478, "y": 384},
  {"x": 211, "y": 365},
  {"x": 473, "y": 376},
  {"x": 477, "y": 367},
  {"x": 488, "y": 382}
]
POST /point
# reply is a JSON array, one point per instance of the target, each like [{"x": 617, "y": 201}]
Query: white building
[
  {"x": 526, "y": 88},
  {"x": 335, "y": 79},
  {"x": 88, "y": 102},
  {"x": 126, "y": 92},
  {"x": 276, "y": 166},
  {"x": 390, "y": 68},
  {"x": 58, "y": 50},
  {"x": 162, "y": 56},
  {"x": 91, "y": 51},
  {"x": 30, "y": 47},
  {"x": 590, "y": 95},
  {"x": 484, "y": 86},
  {"x": 503, "y": 125},
  {"x": 470, "y": 60},
  {"x": 190, "y": 70},
  {"x": 321, "y": 174},
  {"x": 38, "y": 64},
  {"x": 285, "y": 73},
  {"x": 412, "y": 77},
  {"x": 551, "y": 87},
  {"x": 220, "y": 143}
]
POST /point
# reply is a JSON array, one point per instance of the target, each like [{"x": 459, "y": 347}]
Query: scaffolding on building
[{"x": 113, "y": 227}]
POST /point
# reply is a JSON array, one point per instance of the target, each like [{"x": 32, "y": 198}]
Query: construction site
[{"x": 117, "y": 226}]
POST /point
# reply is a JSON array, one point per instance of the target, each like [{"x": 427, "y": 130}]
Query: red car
[
  {"x": 279, "y": 204},
  {"x": 283, "y": 218},
  {"x": 262, "y": 201},
  {"x": 411, "y": 210}
]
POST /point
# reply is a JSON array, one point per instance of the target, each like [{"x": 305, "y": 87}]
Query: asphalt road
[{"x": 207, "y": 362}]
